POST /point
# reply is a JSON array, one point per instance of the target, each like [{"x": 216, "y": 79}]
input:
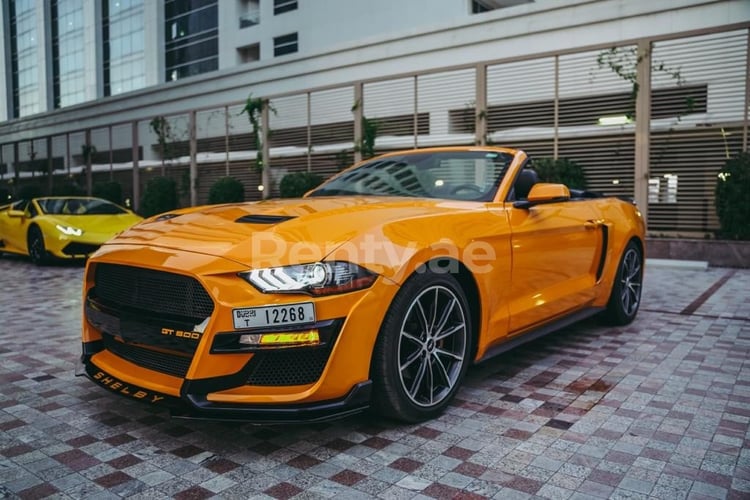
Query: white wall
[{"x": 524, "y": 30}]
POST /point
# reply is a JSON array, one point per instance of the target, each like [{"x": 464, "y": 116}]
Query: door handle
[{"x": 592, "y": 224}]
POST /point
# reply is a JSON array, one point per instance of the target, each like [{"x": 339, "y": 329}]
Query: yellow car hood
[{"x": 282, "y": 232}]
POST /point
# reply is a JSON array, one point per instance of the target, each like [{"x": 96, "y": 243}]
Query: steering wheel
[{"x": 466, "y": 187}]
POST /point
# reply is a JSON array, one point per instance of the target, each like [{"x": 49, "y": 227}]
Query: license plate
[{"x": 259, "y": 317}]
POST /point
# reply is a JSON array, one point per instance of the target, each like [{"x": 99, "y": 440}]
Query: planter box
[{"x": 718, "y": 253}]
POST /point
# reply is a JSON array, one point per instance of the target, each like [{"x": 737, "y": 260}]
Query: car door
[
  {"x": 13, "y": 228},
  {"x": 556, "y": 249}
]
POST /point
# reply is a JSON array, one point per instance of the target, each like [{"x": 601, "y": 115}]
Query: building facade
[{"x": 557, "y": 78}]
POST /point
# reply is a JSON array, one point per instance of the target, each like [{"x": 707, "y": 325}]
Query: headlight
[
  {"x": 69, "y": 230},
  {"x": 319, "y": 278}
]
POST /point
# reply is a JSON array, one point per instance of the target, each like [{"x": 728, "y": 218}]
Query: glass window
[
  {"x": 191, "y": 37},
  {"x": 67, "y": 52},
  {"x": 285, "y": 44},
  {"x": 23, "y": 48},
  {"x": 281, "y": 6},
  {"x": 123, "y": 45}
]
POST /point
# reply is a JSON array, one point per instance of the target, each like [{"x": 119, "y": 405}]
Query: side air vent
[{"x": 263, "y": 219}]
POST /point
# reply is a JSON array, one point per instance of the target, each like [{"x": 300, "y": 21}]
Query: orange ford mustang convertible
[{"x": 376, "y": 290}]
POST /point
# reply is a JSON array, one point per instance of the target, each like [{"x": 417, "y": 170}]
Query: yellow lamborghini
[
  {"x": 376, "y": 290},
  {"x": 60, "y": 227}
]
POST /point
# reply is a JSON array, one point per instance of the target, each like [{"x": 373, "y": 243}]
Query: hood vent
[{"x": 263, "y": 219}]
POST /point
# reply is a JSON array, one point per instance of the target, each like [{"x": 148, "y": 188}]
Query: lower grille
[
  {"x": 171, "y": 364},
  {"x": 297, "y": 366},
  {"x": 73, "y": 249}
]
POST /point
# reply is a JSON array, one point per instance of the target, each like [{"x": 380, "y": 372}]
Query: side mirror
[
  {"x": 15, "y": 213},
  {"x": 544, "y": 193}
]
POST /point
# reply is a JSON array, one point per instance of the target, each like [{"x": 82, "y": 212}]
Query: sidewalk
[{"x": 657, "y": 409}]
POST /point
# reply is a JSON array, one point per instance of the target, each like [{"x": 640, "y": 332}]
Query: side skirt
[{"x": 539, "y": 332}]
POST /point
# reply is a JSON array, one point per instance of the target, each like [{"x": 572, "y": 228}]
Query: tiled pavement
[{"x": 658, "y": 409}]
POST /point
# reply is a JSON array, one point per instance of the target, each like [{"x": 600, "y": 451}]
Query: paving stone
[{"x": 656, "y": 409}]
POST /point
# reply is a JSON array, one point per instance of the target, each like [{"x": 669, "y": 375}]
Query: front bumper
[{"x": 192, "y": 404}]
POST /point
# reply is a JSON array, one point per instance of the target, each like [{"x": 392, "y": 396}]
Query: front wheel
[
  {"x": 423, "y": 348},
  {"x": 37, "y": 250},
  {"x": 625, "y": 297}
]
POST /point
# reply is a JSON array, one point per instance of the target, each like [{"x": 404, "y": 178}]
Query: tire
[
  {"x": 37, "y": 250},
  {"x": 625, "y": 298},
  {"x": 422, "y": 352}
]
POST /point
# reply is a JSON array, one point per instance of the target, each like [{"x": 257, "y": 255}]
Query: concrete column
[
  {"x": 136, "y": 170},
  {"x": 265, "y": 173},
  {"x": 480, "y": 109},
  {"x": 556, "y": 138},
  {"x": 5, "y": 69},
  {"x": 643, "y": 126},
  {"x": 359, "y": 104},
  {"x": 50, "y": 164},
  {"x": 416, "y": 113},
  {"x": 89, "y": 173},
  {"x": 747, "y": 93},
  {"x": 193, "y": 161},
  {"x": 153, "y": 32}
]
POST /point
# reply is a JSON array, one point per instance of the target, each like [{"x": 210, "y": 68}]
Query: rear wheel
[
  {"x": 422, "y": 351},
  {"x": 626, "y": 290},
  {"x": 37, "y": 250}
]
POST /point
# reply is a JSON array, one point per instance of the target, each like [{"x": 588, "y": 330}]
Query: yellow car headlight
[
  {"x": 318, "y": 278},
  {"x": 69, "y": 230}
]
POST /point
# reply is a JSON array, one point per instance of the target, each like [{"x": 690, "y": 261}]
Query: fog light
[{"x": 309, "y": 337}]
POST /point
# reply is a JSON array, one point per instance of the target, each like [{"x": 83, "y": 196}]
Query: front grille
[
  {"x": 171, "y": 364},
  {"x": 160, "y": 292},
  {"x": 74, "y": 248},
  {"x": 293, "y": 366}
]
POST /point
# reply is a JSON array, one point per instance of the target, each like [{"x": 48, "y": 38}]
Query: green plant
[
  {"x": 226, "y": 190},
  {"x": 111, "y": 191},
  {"x": 159, "y": 196},
  {"x": 369, "y": 132},
  {"x": 296, "y": 184},
  {"x": 163, "y": 131},
  {"x": 732, "y": 207},
  {"x": 254, "y": 109},
  {"x": 624, "y": 61},
  {"x": 560, "y": 171}
]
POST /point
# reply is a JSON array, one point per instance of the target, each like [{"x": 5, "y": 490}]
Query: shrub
[
  {"x": 159, "y": 196},
  {"x": 732, "y": 207},
  {"x": 226, "y": 190},
  {"x": 296, "y": 184},
  {"x": 560, "y": 171},
  {"x": 111, "y": 191}
]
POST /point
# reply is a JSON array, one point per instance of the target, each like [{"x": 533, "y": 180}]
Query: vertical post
[
  {"x": 67, "y": 153},
  {"x": 480, "y": 109},
  {"x": 556, "y": 138},
  {"x": 226, "y": 140},
  {"x": 359, "y": 104},
  {"x": 309, "y": 132},
  {"x": 643, "y": 126},
  {"x": 193, "y": 160},
  {"x": 747, "y": 93},
  {"x": 89, "y": 173},
  {"x": 265, "y": 173},
  {"x": 111, "y": 154},
  {"x": 50, "y": 164},
  {"x": 136, "y": 168},
  {"x": 16, "y": 173},
  {"x": 416, "y": 114}
]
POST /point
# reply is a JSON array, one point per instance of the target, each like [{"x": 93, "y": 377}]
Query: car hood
[{"x": 283, "y": 232}]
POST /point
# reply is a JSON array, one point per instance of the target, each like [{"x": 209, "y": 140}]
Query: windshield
[
  {"x": 78, "y": 206},
  {"x": 454, "y": 175}
]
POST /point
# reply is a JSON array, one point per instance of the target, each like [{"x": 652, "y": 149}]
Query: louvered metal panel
[
  {"x": 608, "y": 162},
  {"x": 288, "y": 121},
  {"x": 391, "y": 105},
  {"x": 331, "y": 117},
  {"x": 520, "y": 96},
  {"x": 693, "y": 134},
  {"x": 449, "y": 97}
]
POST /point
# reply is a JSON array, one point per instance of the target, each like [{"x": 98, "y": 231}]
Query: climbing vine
[{"x": 254, "y": 109}]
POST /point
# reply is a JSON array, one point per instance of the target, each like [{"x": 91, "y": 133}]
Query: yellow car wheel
[
  {"x": 423, "y": 348},
  {"x": 37, "y": 250}
]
